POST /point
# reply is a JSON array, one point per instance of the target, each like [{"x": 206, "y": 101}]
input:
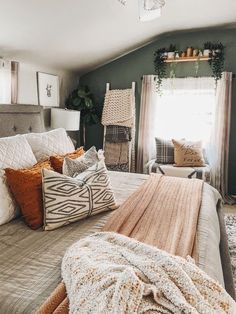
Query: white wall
[{"x": 27, "y": 93}]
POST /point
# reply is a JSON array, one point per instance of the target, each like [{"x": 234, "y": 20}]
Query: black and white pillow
[
  {"x": 164, "y": 151},
  {"x": 67, "y": 199},
  {"x": 73, "y": 167}
]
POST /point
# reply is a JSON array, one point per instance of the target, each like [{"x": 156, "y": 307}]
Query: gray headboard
[{"x": 20, "y": 119}]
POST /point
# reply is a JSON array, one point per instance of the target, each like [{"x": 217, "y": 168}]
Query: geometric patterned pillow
[
  {"x": 164, "y": 151},
  {"x": 67, "y": 199},
  {"x": 73, "y": 167}
]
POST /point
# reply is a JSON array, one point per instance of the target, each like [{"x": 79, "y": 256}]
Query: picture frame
[{"x": 48, "y": 89}]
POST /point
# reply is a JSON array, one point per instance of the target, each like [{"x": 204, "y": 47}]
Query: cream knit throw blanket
[
  {"x": 110, "y": 273},
  {"x": 119, "y": 108}
]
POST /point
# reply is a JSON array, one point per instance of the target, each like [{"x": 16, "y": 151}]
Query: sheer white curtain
[
  {"x": 8, "y": 82},
  {"x": 186, "y": 109},
  {"x": 218, "y": 153},
  {"x": 148, "y": 110}
]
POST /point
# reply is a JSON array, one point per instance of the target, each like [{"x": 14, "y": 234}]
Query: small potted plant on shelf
[
  {"x": 217, "y": 48},
  {"x": 171, "y": 51},
  {"x": 195, "y": 52},
  {"x": 177, "y": 55},
  {"x": 200, "y": 53},
  {"x": 207, "y": 49}
]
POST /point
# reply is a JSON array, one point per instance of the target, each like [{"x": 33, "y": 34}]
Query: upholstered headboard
[{"x": 20, "y": 119}]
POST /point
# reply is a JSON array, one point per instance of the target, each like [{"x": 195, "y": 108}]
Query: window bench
[{"x": 183, "y": 172}]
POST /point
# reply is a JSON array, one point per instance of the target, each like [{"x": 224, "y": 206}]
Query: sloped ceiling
[{"x": 79, "y": 35}]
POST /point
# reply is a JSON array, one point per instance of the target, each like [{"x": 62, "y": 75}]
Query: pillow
[
  {"x": 8, "y": 208},
  {"x": 54, "y": 142},
  {"x": 15, "y": 152},
  {"x": 188, "y": 154},
  {"x": 26, "y": 186},
  {"x": 164, "y": 151},
  {"x": 70, "y": 199},
  {"x": 57, "y": 161},
  {"x": 72, "y": 168}
]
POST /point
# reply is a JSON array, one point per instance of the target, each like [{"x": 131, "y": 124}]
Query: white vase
[
  {"x": 215, "y": 51},
  {"x": 206, "y": 52},
  {"x": 171, "y": 55}
]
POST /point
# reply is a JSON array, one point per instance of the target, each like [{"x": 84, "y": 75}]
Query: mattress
[{"x": 30, "y": 260}]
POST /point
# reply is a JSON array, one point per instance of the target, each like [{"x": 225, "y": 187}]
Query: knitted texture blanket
[
  {"x": 109, "y": 273},
  {"x": 119, "y": 108},
  {"x": 163, "y": 212}
]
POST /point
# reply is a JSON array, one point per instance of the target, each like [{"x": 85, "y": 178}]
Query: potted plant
[
  {"x": 160, "y": 66},
  {"x": 81, "y": 99},
  {"x": 207, "y": 49},
  {"x": 200, "y": 53},
  {"x": 195, "y": 52},
  {"x": 171, "y": 51},
  {"x": 177, "y": 55},
  {"x": 216, "y": 48}
]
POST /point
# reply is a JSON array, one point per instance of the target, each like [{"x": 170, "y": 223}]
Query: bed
[{"x": 30, "y": 260}]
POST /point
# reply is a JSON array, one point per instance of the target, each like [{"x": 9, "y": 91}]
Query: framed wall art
[{"x": 48, "y": 89}]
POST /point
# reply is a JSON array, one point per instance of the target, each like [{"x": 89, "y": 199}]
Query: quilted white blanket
[{"x": 110, "y": 273}]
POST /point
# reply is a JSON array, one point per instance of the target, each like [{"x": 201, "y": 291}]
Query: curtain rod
[{"x": 233, "y": 76}]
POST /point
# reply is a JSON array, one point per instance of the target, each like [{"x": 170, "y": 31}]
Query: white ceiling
[{"x": 79, "y": 35}]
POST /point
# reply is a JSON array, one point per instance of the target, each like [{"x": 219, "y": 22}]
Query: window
[
  {"x": 5, "y": 82},
  {"x": 186, "y": 109}
]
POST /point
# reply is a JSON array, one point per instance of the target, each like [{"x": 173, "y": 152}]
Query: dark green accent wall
[{"x": 121, "y": 72}]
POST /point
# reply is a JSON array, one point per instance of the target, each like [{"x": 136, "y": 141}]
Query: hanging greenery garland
[
  {"x": 216, "y": 60},
  {"x": 214, "y": 51},
  {"x": 160, "y": 66}
]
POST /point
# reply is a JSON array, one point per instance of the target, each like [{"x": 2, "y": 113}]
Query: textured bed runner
[
  {"x": 163, "y": 212},
  {"x": 108, "y": 273}
]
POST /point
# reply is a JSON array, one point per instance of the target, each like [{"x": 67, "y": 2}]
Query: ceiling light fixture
[{"x": 148, "y": 9}]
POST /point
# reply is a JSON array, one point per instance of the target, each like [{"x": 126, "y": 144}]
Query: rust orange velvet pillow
[
  {"x": 57, "y": 161},
  {"x": 26, "y": 186}
]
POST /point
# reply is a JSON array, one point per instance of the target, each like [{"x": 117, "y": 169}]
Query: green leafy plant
[
  {"x": 172, "y": 48},
  {"x": 216, "y": 60},
  {"x": 81, "y": 99},
  {"x": 207, "y": 45},
  {"x": 160, "y": 66}
]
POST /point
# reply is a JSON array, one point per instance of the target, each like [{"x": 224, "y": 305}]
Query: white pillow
[
  {"x": 54, "y": 142},
  {"x": 15, "y": 153}
]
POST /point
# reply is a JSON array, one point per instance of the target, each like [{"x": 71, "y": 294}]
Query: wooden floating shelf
[{"x": 187, "y": 59}]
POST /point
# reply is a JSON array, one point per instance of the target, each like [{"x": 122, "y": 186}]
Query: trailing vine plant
[
  {"x": 216, "y": 60},
  {"x": 160, "y": 66}
]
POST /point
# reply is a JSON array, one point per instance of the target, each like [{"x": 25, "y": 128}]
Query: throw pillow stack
[
  {"x": 181, "y": 153},
  {"x": 50, "y": 182}
]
